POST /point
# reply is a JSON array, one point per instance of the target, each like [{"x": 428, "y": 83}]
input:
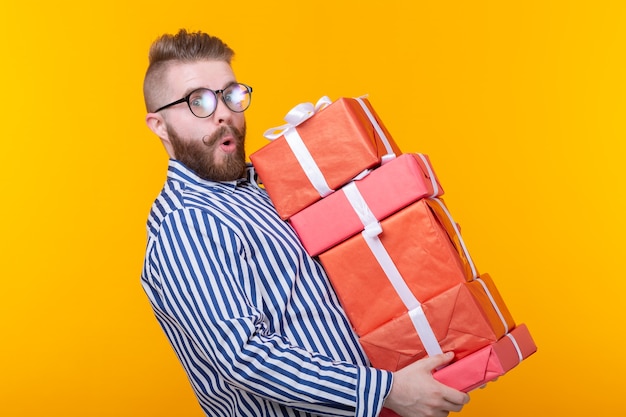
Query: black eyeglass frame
[{"x": 215, "y": 92}]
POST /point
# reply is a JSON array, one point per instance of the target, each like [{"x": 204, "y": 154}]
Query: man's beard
[{"x": 201, "y": 156}]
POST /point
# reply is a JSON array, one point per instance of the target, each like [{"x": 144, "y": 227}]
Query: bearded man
[{"x": 251, "y": 316}]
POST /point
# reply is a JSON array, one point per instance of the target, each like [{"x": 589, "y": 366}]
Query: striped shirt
[{"x": 252, "y": 318}]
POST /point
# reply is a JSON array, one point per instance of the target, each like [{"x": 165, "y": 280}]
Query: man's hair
[{"x": 182, "y": 47}]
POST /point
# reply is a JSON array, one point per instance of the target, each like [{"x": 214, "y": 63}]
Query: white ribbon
[
  {"x": 494, "y": 304},
  {"x": 416, "y": 313},
  {"x": 458, "y": 234},
  {"x": 361, "y": 208},
  {"x": 431, "y": 175},
  {"x": 516, "y": 346},
  {"x": 306, "y": 161},
  {"x": 358, "y": 203},
  {"x": 390, "y": 153},
  {"x": 295, "y": 117}
]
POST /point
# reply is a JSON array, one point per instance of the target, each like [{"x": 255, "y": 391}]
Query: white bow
[{"x": 297, "y": 116}]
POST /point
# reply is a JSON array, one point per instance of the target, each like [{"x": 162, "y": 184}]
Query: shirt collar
[{"x": 178, "y": 171}]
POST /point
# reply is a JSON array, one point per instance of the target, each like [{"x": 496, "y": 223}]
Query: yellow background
[{"x": 520, "y": 106}]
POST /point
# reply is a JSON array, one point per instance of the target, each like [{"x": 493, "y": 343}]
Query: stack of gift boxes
[{"x": 395, "y": 256}]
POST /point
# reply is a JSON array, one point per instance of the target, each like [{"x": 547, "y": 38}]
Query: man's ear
[{"x": 156, "y": 123}]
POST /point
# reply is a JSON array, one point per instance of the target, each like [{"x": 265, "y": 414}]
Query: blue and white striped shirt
[{"x": 252, "y": 318}]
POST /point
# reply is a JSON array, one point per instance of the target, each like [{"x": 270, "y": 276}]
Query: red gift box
[
  {"x": 489, "y": 362},
  {"x": 457, "y": 320},
  {"x": 415, "y": 246},
  {"x": 363, "y": 202},
  {"x": 311, "y": 158}
]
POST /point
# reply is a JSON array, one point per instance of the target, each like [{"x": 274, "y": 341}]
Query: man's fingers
[
  {"x": 456, "y": 398},
  {"x": 454, "y": 407},
  {"x": 436, "y": 361}
]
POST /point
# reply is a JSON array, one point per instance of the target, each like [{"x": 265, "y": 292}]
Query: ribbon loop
[
  {"x": 360, "y": 207},
  {"x": 296, "y": 116},
  {"x": 373, "y": 229}
]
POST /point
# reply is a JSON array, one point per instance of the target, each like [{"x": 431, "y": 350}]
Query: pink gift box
[
  {"x": 489, "y": 362},
  {"x": 381, "y": 193},
  {"x": 334, "y": 146}
]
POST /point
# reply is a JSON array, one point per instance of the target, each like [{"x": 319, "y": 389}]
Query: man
[{"x": 252, "y": 318}]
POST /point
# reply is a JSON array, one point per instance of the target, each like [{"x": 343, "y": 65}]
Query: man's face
[{"x": 212, "y": 147}]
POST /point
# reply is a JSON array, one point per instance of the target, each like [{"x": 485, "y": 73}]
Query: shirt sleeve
[{"x": 202, "y": 289}]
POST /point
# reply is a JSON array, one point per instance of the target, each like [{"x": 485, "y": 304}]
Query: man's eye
[{"x": 196, "y": 102}]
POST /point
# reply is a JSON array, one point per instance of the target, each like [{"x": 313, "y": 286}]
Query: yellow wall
[{"x": 520, "y": 106}]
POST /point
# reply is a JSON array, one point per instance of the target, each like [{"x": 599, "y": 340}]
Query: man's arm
[{"x": 203, "y": 274}]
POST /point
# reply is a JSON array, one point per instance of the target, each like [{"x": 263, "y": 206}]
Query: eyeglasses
[{"x": 203, "y": 101}]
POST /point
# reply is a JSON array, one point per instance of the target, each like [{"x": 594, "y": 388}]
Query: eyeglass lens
[{"x": 203, "y": 102}]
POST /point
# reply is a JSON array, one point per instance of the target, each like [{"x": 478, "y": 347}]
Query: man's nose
[{"x": 222, "y": 113}]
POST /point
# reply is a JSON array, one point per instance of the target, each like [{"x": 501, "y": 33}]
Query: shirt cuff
[{"x": 373, "y": 387}]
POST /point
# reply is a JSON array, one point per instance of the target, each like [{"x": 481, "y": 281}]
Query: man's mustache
[{"x": 215, "y": 137}]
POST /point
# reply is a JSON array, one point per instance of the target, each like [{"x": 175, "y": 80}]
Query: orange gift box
[
  {"x": 484, "y": 290},
  {"x": 457, "y": 319},
  {"x": 355, "y": 206},
  {"x": 335, "y": 145},
  {"x": 421, "y": 252},
  {"x": 488, "y": 363}
]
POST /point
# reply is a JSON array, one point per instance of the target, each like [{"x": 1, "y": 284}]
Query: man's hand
[{"x": 415, "y": 393}]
